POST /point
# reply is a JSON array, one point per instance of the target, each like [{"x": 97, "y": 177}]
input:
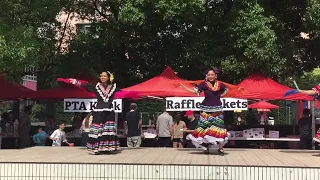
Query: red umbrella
[
  {"x": 263, "y": 110},
  {"x": 263, "y": 105},
  {"x": 13, "y": 91}
]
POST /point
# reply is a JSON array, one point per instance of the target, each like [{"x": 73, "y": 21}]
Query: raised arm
[
  {"x": 84, "y": 84},
  {"x": 308, "y": 92},
  {"x": 80, "y": 83},
  {"x": 312, "y": 92}
]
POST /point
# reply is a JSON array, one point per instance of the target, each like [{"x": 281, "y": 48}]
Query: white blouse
[{"x": 83, "y": 127}]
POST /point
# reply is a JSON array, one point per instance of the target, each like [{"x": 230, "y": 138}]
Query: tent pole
[
  {"x": 313, "y": 111},
  {"x": 116, "y": 117},
  {"x": 279, "y": 115}
]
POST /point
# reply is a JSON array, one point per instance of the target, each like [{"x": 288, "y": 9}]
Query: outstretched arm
[
  {"x": 186, "y": 88},
  {"x": 80, "y": 83},
  {"x": 308, "y": 92},
  {"x": 194, "y": 90},
  {"x": 313, "y": 92}
]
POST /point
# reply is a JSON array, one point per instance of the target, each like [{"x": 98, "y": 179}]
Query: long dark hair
[
  {"x": 86, "y": 120},
  {"x": 215, "y": 70},
  {"x": 109, "y": 75}
]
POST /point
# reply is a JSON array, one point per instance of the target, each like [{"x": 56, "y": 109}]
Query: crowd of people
[
  {"x": 99, "y": 130},
  {"x": 169, "y": 131}
]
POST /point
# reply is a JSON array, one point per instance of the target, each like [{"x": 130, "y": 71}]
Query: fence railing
[{"x": 66, "y": 171}]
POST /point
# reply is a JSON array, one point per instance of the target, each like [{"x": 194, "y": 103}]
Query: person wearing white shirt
[
  {"x": 85, "y": 129},
  {"x": 59, "y": 136}
]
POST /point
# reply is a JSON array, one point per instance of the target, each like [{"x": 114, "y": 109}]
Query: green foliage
[
  {"x": 190, "y": 36},
  {"x": 137, "y": 39},
  {"x": 61, "y": 116},
  {"x": 17, "y": 48},
  {"x": 313, "y": 15},
  {"x": 38, "y": 113},
  {"x": 151, "y": 106},
  {"x": 252, "y": 41},
  {"x": 27, "y": 35},
  {"x": 5, "y": 106},
  {"x": 309, "y": 79}
]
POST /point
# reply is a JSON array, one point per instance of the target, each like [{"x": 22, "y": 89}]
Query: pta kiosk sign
[
  {"x": 193, "y": 103},
  {"x": 87, "y": 105}
]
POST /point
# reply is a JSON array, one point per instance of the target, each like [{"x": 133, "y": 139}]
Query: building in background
[{"x": 30, "y": 81}]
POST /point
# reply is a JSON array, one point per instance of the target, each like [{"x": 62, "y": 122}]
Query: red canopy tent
[
  {"x": 13, "y": 91},
  {"x": 164, "y": 85},
  {"x": 263, "y": 87},
  {"x": 62, "y": 92},
  {"x": 263, "y": 105},
  {"x": 71, "y": 91},
  {"x": 67, "y": 90},
  {"x": 167, "y": 84}
]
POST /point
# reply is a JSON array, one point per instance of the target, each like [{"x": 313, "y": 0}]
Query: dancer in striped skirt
[
  {"x": 210, "y": 128},
  {"x": 102, "y": 136}
]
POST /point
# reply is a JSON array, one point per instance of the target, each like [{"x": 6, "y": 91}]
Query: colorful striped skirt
[
  {"x": 103, "y": 134},
  {"x": 210, "y": 130}
]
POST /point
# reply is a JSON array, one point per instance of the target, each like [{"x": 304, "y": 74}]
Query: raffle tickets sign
[
  {"x": 87, "y": 105},
  {"x": 193, "y": 103}
]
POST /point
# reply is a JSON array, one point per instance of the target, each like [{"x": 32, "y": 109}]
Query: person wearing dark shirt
[
  {"x": 251, "y": 118},
  {"x": 192, "y": 125},
  {"x": 305, "y": 127},
  {"x": 25, "y": 126},
  {"x": 133, "y": 125}
]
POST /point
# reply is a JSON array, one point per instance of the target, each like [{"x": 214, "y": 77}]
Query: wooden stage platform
[
  {"x": 166, "y": 156},
  {"x": 159, "y": 163}
]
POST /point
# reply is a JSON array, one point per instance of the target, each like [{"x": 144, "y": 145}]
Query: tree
[
  {"x": 312, "y": 24},
  {"x": 250, "y": 43},
  {"x": 133, "y": 37},
  {"x": 137, "y": 39},
  {"x": 27, "y": 35},
  {"x": 309, "y": 79},
  {"x": 292, "y": 18}
]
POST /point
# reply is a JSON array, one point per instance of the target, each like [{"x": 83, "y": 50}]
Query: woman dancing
[
  {"x": 210, "y": 128},
  {"x": 102, "y": 135}
]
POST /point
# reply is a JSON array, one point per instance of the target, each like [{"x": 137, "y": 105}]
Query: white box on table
[
  {"x": 232, "y": 134},
  {"x": 238, "y": 133},
  {"x": 273, "y": 134},
  {"x": 258, "y": 132},
  {"x": 248, "y": 133},
  {"x": 258, "y": 129}
]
